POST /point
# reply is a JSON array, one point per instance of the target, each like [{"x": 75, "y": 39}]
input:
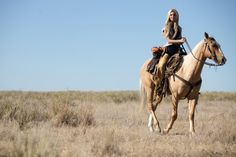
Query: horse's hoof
[
  {"x": 165, "y": 131},
  {"x": 151, "y": 129},
  {"x": 158, "y": 130},
  {"x": 192, "y": 134}
]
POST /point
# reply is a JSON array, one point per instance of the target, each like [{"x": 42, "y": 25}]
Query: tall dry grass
[{"x": 71, "y": 124}]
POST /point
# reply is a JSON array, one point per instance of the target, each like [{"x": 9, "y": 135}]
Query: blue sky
[{"x": 100, "y": 45}]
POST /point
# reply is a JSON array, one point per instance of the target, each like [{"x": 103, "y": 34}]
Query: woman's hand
[{"x": 183, "y": 40}]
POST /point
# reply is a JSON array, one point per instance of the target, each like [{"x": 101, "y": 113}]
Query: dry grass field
[{"x": 100, "y": 124}]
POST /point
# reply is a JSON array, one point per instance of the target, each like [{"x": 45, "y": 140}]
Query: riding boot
[{"x": 160, "y": 73}]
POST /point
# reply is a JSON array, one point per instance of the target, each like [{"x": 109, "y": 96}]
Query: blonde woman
[{"x": 173, "y": 34}]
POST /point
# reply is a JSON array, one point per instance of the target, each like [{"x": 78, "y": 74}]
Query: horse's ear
[{"x": 206, "y": 35}]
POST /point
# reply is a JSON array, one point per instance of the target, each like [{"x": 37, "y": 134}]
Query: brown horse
[{"x": 185, "y": 83}]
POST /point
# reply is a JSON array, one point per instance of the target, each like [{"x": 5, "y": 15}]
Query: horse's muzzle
[{"x": 223, "y": 61}]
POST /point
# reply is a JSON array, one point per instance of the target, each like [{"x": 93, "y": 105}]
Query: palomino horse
[{"x": 185, "y": 83}]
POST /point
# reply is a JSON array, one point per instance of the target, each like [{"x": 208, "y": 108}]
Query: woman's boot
[{"x": 160, "y": 74}]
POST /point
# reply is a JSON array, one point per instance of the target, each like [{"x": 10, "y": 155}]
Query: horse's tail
[{"x": 143, "y": 96}]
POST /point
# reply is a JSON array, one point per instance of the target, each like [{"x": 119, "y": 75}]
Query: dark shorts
[{"x": 172, "y": 49}]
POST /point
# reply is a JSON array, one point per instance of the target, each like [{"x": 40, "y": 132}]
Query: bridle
[
  {"x": 213, "y": 55},
  {"x": 197, "y": 83}
]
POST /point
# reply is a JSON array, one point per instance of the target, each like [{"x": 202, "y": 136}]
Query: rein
[{"x": 204, "y": 62}]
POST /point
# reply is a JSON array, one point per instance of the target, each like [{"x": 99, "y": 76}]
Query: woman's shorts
[{"x": 172, "y": 49}]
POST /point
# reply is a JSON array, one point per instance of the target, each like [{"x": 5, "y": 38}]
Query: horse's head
[{"x": 213, "y": 50}]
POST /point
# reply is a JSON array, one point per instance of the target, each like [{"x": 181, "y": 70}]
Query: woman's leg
[
  {"x": 162, "y": 65},
  {"x": 160, "y": 72}
]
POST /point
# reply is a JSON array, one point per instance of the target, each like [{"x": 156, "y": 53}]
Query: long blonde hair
[{"x": 169, "y": 26}]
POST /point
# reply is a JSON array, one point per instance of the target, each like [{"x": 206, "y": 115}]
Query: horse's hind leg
[
  {"x": 151, "y": 109},
  {"x": 150, "y": 120},
  {"x": 173, "y": 115},
  {"x": 157, "y": 101}
]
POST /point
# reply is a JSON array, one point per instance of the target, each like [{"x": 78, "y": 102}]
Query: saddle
[{"x": 157, "y": 52}]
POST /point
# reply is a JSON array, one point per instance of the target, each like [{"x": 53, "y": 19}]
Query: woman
[{"x": 173, "y": 34}]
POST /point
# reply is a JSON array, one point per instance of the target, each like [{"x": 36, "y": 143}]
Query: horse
[{"x": 185, "y": 83}]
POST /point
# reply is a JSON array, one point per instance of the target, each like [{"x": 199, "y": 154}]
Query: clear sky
[{"x": 100, "y": 45}]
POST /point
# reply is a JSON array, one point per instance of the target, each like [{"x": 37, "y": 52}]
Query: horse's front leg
[
  {"x": 191, "y": 107},
  {"x": 173, "y": 115}
]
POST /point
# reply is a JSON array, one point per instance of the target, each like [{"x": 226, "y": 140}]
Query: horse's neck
[{"x": 192, "y": 67}]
